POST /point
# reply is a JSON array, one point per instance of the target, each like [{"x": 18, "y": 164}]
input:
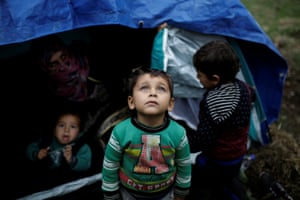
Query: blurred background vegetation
[{"x": 280, "y": 19}]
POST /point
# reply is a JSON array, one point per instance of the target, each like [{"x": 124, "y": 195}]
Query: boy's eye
[
  {"x": 60, "y": 125},
  {"x": 161, "y": 89},
  {"x": 144, "y": 88},
  {"x": 74, "y": 126}
]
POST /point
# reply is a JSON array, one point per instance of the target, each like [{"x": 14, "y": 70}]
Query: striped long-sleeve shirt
[{"x": 224, "y": 119}]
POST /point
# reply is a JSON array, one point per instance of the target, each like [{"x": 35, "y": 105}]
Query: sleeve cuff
[{"x": 181, "y": 192}]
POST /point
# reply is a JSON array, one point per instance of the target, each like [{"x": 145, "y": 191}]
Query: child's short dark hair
[
  {"x": 217, "y": 58},
  {"x": 137, "y": 72},
  {"x": 69, "y": 108}
]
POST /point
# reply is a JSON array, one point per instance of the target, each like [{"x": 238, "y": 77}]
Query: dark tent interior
[{"x": 112, "y": 50}]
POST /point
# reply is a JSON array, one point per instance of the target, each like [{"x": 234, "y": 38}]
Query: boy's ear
[
  {"x": 130, "y": 102},
  {"x": 216, "y": 79},
  {"x": 171, "y": 104}
]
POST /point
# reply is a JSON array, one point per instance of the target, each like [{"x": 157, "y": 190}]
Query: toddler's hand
[
  {"x": 67, "y": 151},
  {"x": 43, "y": 153}
]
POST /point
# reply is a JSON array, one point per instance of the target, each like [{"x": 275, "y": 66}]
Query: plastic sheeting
[{"x": 172, "y": 52}]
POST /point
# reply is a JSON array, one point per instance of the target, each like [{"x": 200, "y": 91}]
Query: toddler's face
[{"x": 67, "y": 128}]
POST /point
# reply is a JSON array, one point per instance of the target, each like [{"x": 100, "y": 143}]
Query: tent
[{"x": 130, "y": 27}]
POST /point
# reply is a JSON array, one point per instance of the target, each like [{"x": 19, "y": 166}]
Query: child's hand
[
  {"x": 67, "y": 151},
  {"x": 162, "y": 26},
  {"x": 43, "y": 153}
]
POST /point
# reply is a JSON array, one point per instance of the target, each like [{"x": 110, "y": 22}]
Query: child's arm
[
  {"x": 183, "y": 169},
  {"x": 81, "y": 161},
  {"x": 35, "y": 153},
  {"x": 68, "y": 153},
  {"x": 110, "y": 170}
]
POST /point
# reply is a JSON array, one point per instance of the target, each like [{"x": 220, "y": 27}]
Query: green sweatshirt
[{"x": 146, "y": 160}]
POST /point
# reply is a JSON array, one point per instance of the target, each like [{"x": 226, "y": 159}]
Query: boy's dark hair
[
  {"x": 137, "y": 72},
  {"x": 217, "y": 58}
]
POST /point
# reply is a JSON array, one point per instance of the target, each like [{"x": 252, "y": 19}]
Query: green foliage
[{"x": 281, "y": 17}]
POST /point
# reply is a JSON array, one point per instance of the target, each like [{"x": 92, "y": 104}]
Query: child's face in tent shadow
[
  {"x": 64, "y": 68},
  {"x": 67, "y": 128},
  {"x": 67, "y": 74}
]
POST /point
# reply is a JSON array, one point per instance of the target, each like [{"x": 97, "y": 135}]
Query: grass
[{"x": 276, "y": 18}]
